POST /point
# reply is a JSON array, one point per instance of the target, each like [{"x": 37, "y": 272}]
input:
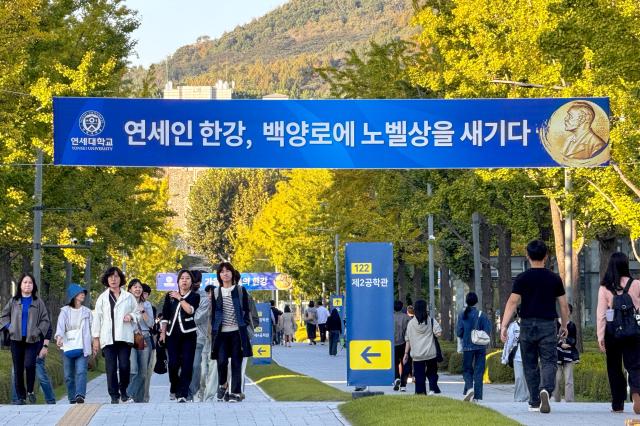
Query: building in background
[{"x": 181, "y": 179}]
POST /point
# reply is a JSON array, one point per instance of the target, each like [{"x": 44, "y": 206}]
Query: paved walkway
[{"x": 315, "y": 361}]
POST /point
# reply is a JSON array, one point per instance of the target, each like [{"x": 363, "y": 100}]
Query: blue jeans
[
  {"x": 43, "y": 378},
  {"x": 473, "y": 363},
  {"x": 197, "y": 369},
  {"x": 538, "y": 340},
  {"x": 75, "y": 376},
  {"x": 139, "y": 362},
  {"x": 334, "y": 338}
]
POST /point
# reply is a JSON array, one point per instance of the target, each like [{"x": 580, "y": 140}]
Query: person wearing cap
[
  {"x": 75, "y": 316},
  {"x": 140, "y": 357},
  {"x": 112, "y": 329}
]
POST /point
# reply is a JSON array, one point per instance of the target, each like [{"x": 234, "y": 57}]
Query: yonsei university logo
[{"x": 91, "y": 123}]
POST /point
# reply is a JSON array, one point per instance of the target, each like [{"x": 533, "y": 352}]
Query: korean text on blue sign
[
  {"x": 411, "y": 133},
  {"x": 261, "y": 341},
  {"x": 264, "y": 281},
  {"x": 369, "y": 283}
]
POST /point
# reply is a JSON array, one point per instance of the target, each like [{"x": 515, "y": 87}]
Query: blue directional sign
[
  {"x": 369, "y": 313},
  {"x": 262, "y": 338},
  {"x": 360, "y": 134}
]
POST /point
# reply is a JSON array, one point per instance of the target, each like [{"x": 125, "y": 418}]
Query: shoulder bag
[{"x": 479, "y": 337}]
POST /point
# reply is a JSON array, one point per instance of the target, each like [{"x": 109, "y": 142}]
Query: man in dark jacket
[{"x": 400, "y": 321}]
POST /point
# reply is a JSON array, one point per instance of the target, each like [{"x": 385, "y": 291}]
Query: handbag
[
  {"x": 138, "y": 340},
  {"x": 72, "y": 344},
  {"x": 439, "y": 357},
  {"x": 479, "y": 337}
]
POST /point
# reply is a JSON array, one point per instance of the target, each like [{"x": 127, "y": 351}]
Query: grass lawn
[
  {"x": 282, "y": 384},
  {"x": 407, "y": 410}
]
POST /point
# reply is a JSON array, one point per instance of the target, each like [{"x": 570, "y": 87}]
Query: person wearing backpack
[
  {"x": 512, "y": 356},
  {"x": 537, "y": 290},
  {"x": 231, "y": 325},
  {"x": 618, "y": 330},
  {"x": 474, "y": 328}
]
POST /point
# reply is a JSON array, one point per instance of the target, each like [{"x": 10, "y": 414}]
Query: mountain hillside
[{"x": 278, "y": 51}]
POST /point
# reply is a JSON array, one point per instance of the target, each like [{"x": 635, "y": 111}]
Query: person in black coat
[
  {"x": 334, "y": 325},
  {"x": 231, "y": 324},
  {"x": 178, "y": 331}
]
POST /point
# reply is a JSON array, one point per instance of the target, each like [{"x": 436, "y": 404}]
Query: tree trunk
[
  {"x": 402, "y": 279},
  {"x": 418, "y": 278},
  {"x": 504, "y": 264},
  {"x": 558, "y": 235},
  {"x": 5, "y": 276},
  {"x": 446, "y": 297},
  {"x": 487, "y": 287},
  {"x": 607, "y": 245},
  {"x": 578, "y": 294}
]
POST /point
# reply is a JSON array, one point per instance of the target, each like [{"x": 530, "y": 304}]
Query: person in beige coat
[
  {"x": 287, "y": 325},
  {"x": 421, "y": 345}
]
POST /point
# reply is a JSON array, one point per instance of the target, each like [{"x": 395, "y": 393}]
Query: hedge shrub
[
  {"x": 590, "y": 380},
  {"x": 455, "y": 363},
  {"x": 499, "y": 373}
]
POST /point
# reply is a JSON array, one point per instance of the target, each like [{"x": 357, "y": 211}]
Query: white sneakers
[
  {"x": 544, "y": 402},
  {"x": 468, "y": 396}
]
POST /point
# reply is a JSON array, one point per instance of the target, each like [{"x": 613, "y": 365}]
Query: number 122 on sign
[{"x": 361, "y": 269}]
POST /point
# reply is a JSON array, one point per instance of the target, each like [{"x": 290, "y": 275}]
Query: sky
[{"x": 166, "y": 25}]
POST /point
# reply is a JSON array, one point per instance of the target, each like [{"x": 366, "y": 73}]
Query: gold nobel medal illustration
[
  {"x": 577, "y": 135},
  {"x": 283, "y": 282}
]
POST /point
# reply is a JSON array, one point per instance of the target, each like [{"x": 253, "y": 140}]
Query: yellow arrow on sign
[
  {"x": 262, "y": 351},
  {"x": 370, "y": 354}
]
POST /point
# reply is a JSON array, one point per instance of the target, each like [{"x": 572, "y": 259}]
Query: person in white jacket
[
  {"x": 521, "y": 392},
  {"x": 112, "y": 330}
]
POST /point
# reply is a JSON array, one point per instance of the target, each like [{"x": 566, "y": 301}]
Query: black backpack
[{"x": 625, "y": 315}]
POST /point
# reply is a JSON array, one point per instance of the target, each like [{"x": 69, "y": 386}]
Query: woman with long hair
[
  {"x": 74, "y": 323},
  {"x": 140, "y": 357},
  {"x": 179, "y": 332},
  {"x": 617, "y": 281},
  {"x": 474, "y": 356},
  {"x": 26, "y": 317},
  {"x": 287, "y": 324},
  {"x": 230, "y": 319},
  {"x": 420, "y": 337},
  {"x": 112, "y": 329}
]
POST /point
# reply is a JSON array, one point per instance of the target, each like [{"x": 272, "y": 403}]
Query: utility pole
[
  {"x": 336, "y": 259},
  {"x": 37, "y": 219},
  {"x": 477, "y": 266},
  {"x": 432, "y": 303},
  {"x": 568, "y": 240}
]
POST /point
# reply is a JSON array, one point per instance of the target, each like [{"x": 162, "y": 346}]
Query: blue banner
[
  {"x": 261, "y": 341},
  {"x": 369, "y": 285},
  {"x": 167, "y": 281},
  {"x": 362, "y": 134},
  {"x": 265, "y": 281}
]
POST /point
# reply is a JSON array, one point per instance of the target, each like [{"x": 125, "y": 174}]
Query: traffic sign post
[
  {"x": 261, "y": 341},
  {"x": 369, "y": 268}
]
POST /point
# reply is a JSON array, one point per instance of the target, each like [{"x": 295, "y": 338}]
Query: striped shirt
[{"x": 229, "y": 321}]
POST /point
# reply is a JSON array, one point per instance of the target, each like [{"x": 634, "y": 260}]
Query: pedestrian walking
[
  {"x": 288, "y": 325},
  {"x": 209, "y": 366},
  {"x": 567, "y": 356},
  {"x": 537, "y": 290},
  {"x": 311, "y": 321},
  {"x": 179, "y": 333},
  {"x": 202, "y": 319},
  {"x": 334, "y": 326},
  {"x": 618, "y": 330},
  {"x": 25, "y": 316},
  {"x": 276, "y": 313},
  {"x": 420, "y": 343},
  {"x": 322, "y": 315},
  {"x": 139, "y": 360},
  {"x": 512, "y": 356},
  {"x": 155, "y": 331},
  {"x": 114, "y": 317},
  {"x": 73, "y": 337},
  {"x": 230, "y": 324},
  {"x": 400, "y": 322},
  {"x": 472, "y": 322}
]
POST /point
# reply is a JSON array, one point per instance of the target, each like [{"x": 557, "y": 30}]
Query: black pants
[
  {"x": 538, "y": 340},
  {"x": 311, "y": 332},
  {"x": 323, "y": 332},
  {"x": 116, "y": 358},
  {"x": 398, "y": 351},
  {"x": 423, "y": 370},
  {"x": 181, "y": 350},
  {"x": 621, "y": 351},
  {"x": 334, "y": 338},
  {"x": 24, "y": 357},
  {"x": 230, "y": 347}
]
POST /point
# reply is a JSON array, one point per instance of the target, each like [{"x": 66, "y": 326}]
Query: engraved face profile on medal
[{"x": 577, "y": 135}]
